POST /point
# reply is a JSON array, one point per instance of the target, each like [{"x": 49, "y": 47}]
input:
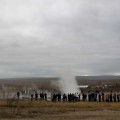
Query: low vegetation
[{"x": 26, "y": 110}]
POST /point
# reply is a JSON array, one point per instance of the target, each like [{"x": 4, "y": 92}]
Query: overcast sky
[{"x": 44, "y": 37}]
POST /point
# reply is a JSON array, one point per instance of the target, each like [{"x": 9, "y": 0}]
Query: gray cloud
[{"x": 40, "y": 37}]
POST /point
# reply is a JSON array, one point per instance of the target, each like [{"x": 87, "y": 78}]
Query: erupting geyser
[{"x": 68, "y": 84}]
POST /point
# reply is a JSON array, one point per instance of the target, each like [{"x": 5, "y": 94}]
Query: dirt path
[{"x": 79, "y": 115}]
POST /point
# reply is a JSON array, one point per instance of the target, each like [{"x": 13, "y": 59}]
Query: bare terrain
[{"x": 37, "y": 110}]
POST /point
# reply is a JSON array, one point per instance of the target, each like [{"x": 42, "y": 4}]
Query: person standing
[{"x": 18, "y": 94}]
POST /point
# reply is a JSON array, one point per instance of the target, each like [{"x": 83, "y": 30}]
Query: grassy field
[{"x": 41, "y": 110}]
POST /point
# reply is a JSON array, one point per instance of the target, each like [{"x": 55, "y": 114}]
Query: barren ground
[{"x": 37, "y": 110}]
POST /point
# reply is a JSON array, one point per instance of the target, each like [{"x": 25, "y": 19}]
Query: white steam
[{"x": 67, "y": 83}]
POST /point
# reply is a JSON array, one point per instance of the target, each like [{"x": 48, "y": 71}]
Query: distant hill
[
  {"x": 103, "y": 77},
  {"x": 48, "y": 82},
  {"x": 30, "y": 79}
]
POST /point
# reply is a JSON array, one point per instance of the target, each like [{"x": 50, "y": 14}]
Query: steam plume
[{"x": 67, "y": 82}]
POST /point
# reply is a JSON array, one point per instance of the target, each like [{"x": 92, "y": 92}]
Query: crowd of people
[
  {"x": 32, "y": 95},
  {"x": 75, "y": 97},
  {"x": 91, "y": 97}
]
